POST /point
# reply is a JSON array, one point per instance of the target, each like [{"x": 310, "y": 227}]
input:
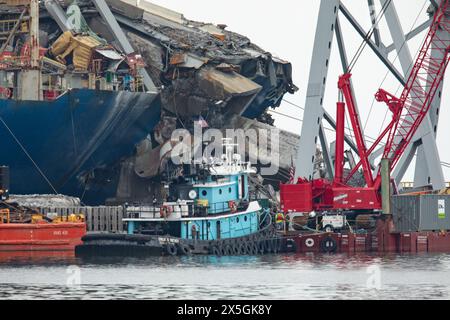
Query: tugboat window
[
  {"x": 204, "y": 193},
  {"x": 220, "y": 191},
  {"x": 245, "y": 218},
  {"x": 229, "y": 190},
  {"x": 237, "y": 219}
]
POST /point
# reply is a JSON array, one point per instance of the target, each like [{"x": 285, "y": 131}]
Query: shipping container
[{"x": 421, "y": 213}]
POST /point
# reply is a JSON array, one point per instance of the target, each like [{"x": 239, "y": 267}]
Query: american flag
[
  {"x": 291, "y": 172},
  {"x": 202, "y": 122}
]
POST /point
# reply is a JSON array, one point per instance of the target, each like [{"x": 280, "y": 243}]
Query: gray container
[{"x": 421, "y": 213}]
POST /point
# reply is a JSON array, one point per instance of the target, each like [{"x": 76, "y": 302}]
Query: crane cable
[
  {"x": 387, "y": 73},
  {"x": 443, "y": 163},
  {"x": 367, "y": 37},
  {"x": 28, "y": 155}
]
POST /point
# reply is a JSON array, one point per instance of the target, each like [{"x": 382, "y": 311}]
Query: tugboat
[{"x": 210, "y": 211}]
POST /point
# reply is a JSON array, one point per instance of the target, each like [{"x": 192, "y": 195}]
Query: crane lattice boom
[
  {"x": 408, "y": 113},
  {"x": 421, "y": 87}
]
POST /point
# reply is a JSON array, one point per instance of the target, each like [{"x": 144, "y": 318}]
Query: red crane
[{"x": 408, "y": 112}]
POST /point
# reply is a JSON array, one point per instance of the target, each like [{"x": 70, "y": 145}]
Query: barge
[
  {"x": 383, "y": 237},
  {"x": 23, "y": 229}
]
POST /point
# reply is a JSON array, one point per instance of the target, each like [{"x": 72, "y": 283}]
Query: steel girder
[{"x": 312, "y": 129}]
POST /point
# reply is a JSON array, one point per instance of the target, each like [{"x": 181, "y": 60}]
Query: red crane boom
[{"x": 408, "y": 112}]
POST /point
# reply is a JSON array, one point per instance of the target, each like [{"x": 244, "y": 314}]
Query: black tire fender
[
  {"x": 290, "y": 245},
  {"x": 255, "y": 249},
  {"x": 261, "y": 247},
  {"x": 236, "y": 250},
  {"x": 216, "y": 251},
  {"x": 171, "y": 249},
  {"x": 242, "y": 249},
  {"x": 229, "y": 250},
  {"x": 328, "y": 245},
  {"x": 185, "y": 249},
  {"x": 268, "y": 246}
]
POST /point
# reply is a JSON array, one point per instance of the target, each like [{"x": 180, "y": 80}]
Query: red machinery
[{"x": 408, "y": 112}]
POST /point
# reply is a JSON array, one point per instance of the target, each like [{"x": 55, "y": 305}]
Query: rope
[
  {"x": 368, "y": 36},
  {"x": 325, "y": 128},
  {"x": 28, "y": 155},
  {"x": 387, "y": 73},
  {"x": 293, "y": 104}
]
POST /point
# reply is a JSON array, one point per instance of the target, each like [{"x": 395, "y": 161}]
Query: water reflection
[{"x": 310, "y": 276}]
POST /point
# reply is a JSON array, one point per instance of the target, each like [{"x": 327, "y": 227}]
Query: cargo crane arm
[{"x": 408, "y": 112}]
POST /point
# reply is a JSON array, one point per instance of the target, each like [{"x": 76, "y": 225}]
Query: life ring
[
  {"x": 7, "y": 93},
  {"x": 232, "y": 205},
  {"x": 171, "y": 249},
  {"x": 309, "y": 242},
  {"x": 165, "y": 211},
  {"x": 328, "y": 245}
]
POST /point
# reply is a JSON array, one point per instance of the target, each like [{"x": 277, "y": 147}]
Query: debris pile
[{"x": 201, "y": 71}]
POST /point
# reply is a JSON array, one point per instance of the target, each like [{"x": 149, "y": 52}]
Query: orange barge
[{"x": 41, "y": 236}]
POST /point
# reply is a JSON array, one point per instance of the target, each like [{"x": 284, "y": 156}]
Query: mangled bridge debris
[{"x": 199, "y": 71}]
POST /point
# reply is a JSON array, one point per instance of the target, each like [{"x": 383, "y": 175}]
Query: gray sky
[{"x": 286, "y": 28}]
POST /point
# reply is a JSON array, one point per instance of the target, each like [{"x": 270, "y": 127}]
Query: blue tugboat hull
[{"x": 81, "y": 131}]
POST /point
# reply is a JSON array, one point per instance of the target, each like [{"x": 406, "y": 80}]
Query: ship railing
[
  {"x": 166, "y": 210},
  {"x": 14, "y": 62},
  {"x": 182, "y": 210},
  {"x": 49, "y": 92}
]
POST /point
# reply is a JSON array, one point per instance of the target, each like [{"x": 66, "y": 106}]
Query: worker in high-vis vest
[{"x": 279, "y": 220}]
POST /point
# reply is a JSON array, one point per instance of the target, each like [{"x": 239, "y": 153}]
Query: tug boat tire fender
[
  {"x": 255, "y": 249},
  {"x": 242, "y": 249},
  {"x": 229, "y": 250},
  {"x": 248, "y": 249},
  {"x": 223, "y": 250},
  {"x": 236, "y": 250},
  {"x": 171, "y": 249},
  {"x": 215, "y": 250},
  {"x": 261, "y": 247},
  {"x": 185, "y": 249}
]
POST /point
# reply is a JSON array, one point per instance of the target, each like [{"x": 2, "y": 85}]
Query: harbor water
[{"x": 245, "y": 277}]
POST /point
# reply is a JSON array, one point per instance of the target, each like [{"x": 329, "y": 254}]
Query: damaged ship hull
[
  {"x": 63, "y": 145},
  {"x": 88, "y": 142}
]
